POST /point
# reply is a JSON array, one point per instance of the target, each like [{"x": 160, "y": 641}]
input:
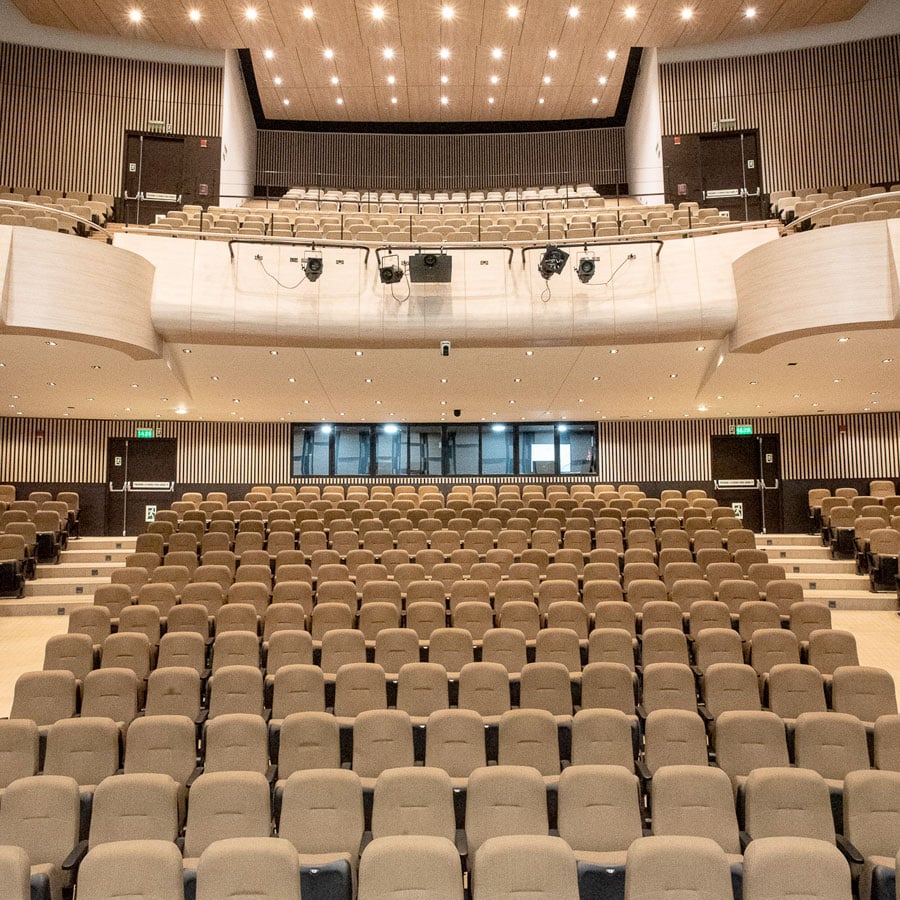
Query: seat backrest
[
  {"x": 236, "y": 689},
  {"x": 674, "y": 737},
  {"x": 236, "y": 742},
  {"x": 504, "y": 800},
  {"x": 872, "y": 812},
  {"x": 866, "y": 692},
  {"x": 18, "y": 750},
  {"x": 422, "y": 688},
  {"x": 525, "y": 865},
  {"x": 298, "y": 687},
  {"x": 174, "y": 690},
  {"x": 831, "y": 648},
  {"x": 413, "y": 801},
  {"x": 309, "y": 740},
  {"x": 794, "y": 689},
  {"x": 669, "y": 685},
  {"x": 225, "y": 805},
  {"x": 71, "y": 653},
  {"x": 608, "y": 685},
  {"x": 728, "y": 685},
  {"x": 676, "y": 866},
  {"x": 382, "y": 739},
  {"x": 112, "y": 693},
  {"x": 454, "y": 742},
  {"x": 143, "y": 869},
  {"x": 528, "y": 737},
  {"x": 164, "y": 745},
  {"x": 695, "y": 801},
  {"x": 599, "y": 808},
  {"x": 247, "y": 867},
  {"x": 86, "y": 749},
  {"x": 546, "y": 686},
  {"x": 789, "y": 866},
  {"x": 602, "y": 737},
  {"x": 396, "y": 867},
  {"x": 830, "y": 743},
  {"x": 783, "y": 802},
  {"x": 134, "y": 807}
]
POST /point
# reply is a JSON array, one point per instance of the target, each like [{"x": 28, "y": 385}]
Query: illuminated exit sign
[
  {"x": 743, "y": 429},
  {"x": 144, "y": 433}
]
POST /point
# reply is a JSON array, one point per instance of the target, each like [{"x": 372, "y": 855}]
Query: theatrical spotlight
[
  {"x": 312, "y": 265},
  {"x": 552, "y": 262},
  {"x": 586, "y": 268},
  {"x": 390, "y": 271}
]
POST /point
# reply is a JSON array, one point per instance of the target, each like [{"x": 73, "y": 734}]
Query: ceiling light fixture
[
  {"x": 135, "y": 15},
  {"x": 308, "y": 13},
  {"x": 377, "y": 13},
  {"x": 286, "y": 102},
  {"x": 602, "y": 80},
  {"x": 388, "y": 53},
  {"x": 268, "y": 53},
  {"x": 552, "y": 53},
  {"x": 497, "y": 53},
  {"x": 445, "y": 101},
  {"x": 194, "y": 15},
  {"x": 447, "y": 13},
  {"x": 250, "y": 14},
  {"x": 444, "y": 53},
  {"x": 277, "y": 81},
  {"x": 512, "y": 12},
  {"x": 491, "y": 100},
  {"x": 328, "y": 53},
  {"x": 495, "y": 79},
  {"x": 630, "y": 12},
  {"x": 750, "y": 12},
  {"x": 391, "y": 79},
  {"x": 574, "y": 12},
  {"x": 334, "y": 79},
  {"x": 611, "y": 55}
]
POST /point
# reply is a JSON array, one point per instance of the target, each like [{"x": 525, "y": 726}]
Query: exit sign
[
  {"x": 743, "y": 429},
  {"x": 144, "y": 433}
]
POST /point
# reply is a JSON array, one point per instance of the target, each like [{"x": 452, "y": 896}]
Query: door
[
  {"x": 140, "y": 479},
  {"x": 730, "y": 177},
  {"x": 154, "y": 176},
  {"x": 747, "y": 475}
]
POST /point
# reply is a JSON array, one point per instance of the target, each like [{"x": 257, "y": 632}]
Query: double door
[
  {"x": 746, "y": 472},
  {"x": 140, "y": 480}
]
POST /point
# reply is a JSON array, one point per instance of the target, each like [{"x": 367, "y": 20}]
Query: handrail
[
  {"x": 56, "y": 213},
  {"x": 791, "y": 226}
]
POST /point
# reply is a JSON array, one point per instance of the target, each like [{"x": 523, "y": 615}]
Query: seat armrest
[
  {"x": 850, "y": 852},
  {"x": 73, "y": 860}
]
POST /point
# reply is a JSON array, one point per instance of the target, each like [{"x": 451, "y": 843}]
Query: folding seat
[
  {"x": 865, "y": 692},
  {"x": 522, "y": 615},
  {"x": 694, "y": 801},
  {"x": 547, "y": 686},
  {"x": 224, "y": 805},
  {"x": 455, "y": 743},
  {"x": 661, "y": 614},
  {"x": 644, "y": 590},
  {"x": 528, "y": 737},
  {"x": 883, "y": 552},
  {"x": 134, "y": 577},
  {"x": 451, "y": 648},
  {"x": 778, "y": 867},
  {"x": 422, "y": 688},
  {"x": 784, "y": 594},
  {"x": 237, "y": 742},
  {"x": 504, "y": 800},
  {"x": 639, "y": 571},
  {"x": 175, "y": 690},
  {"x": 603, "y": 736},
  {"x": 150, "y": 543},
  {"x": 525, "y": 865},
  {"x": 413, "y": 801},
  {"x": 612, "y": 613},
  {"x": 394, "y": 647},
  {"x": 664, "y": 645},
  {"x": 675, "y": 572},
  {"x": 673, "y": 737},
  {"x": 793, "y": 689},
  {"x": 44, "y": 698},
  {"x": 254, "y": 866},
  {"x": 92, "y": 621},
  {"x": 829, "y": 649},
  {"x": 114, "y": 598},
  {"x": 706, "y": 539},
  {"x": 612, "y": 645},
  {"x": 375, "y": 618},
  {"x": 163, "y": 745},
  {"x": 771, "y": 647},
  {"x": 748, "y": 557},
  {"x": 358, "y": 687},
  {"x": 235, "y": 689},
  {"x": 189, "y": 617},
  {"x": 69, "y": 653},
  {"x": 677, "y": 866},
  {"x": 717, "y": 645},
  {"x": 831, "y": 744},
  {"x": 718, "y": 572},
  {"x": 687, "y": 591},
  {"x": 249, "y": 593},
  {"x": 112, "y": 693},
  {"x": 485, "y": 688},
  {"x": 668, "y": 685},
  {"x": 382, "y": 739},
  {"x": 142, "y": 618},
  {"x": 19, "y": 751},
  {"x": 40, "y": 815},
  {"x": 808, "y": 616},
  {"x": 15, "y": 871},
  {"x": 735, "y": 592},
  {"x": 160, "y": 598},
  {"x": 235, "y": 648}
]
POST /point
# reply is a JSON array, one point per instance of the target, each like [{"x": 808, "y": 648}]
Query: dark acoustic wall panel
[
  {"x": 825, "y": 448},
  {"x": 826, "y": 115},
  {"x": 431, "y": 162},
  {"x": 64, "y": 115}
]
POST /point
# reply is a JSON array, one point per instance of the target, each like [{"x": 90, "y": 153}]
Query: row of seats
[
  {"x": 413, "y": 848},
  {"x": 24, "y": 194},
  {"x": 783, "y": 203}
]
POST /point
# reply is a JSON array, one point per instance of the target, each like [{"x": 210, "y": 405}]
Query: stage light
[
  {"x": 390, "y": 271},
  {"x": 552, "y": 262},
  {"x": 586, "y": 268},
  {"x": 312, "y": 265}
]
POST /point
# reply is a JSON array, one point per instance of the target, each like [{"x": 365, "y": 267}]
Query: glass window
[
  {"x": 390, "y": 449},
  {"x": 537, "y": 450},
  {"x": 310, "y": 454},
  {"x": 577, "y": 449},
  {"x": 352, "y": 450},
  {"x": 497, "y": 449},
  {"x": 461, "y": 450},
  {"x": 425, "y": 450}
]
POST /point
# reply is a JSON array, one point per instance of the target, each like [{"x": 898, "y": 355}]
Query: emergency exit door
[
  {"x": 746, "y": 471},
  {"x": 140, "y": 481}
]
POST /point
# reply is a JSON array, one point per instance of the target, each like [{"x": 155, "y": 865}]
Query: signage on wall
[
  {"x": 743, "y": 429},
  {"x": 144, "y": 433}
]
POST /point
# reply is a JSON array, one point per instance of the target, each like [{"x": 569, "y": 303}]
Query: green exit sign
[
  {"x": 144, "y": 433},
  {"x": 743, "y": 429}
]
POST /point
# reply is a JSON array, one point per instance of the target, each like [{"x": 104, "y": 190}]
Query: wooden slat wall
[
  {"x": 826, "y": 115},
  {"x": 64, "y": 115},
  {"x": 813, "y": 447},
  {"x": 440, "y": 162}
]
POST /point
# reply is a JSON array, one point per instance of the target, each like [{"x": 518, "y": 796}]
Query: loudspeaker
[{"x": 430, "y": 268}]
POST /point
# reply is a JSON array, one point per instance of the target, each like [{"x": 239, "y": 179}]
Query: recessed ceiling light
[
  {"x": 687, "y": 13},
  {"x": 651, "y": 397},
  {"x": 277, "y": 81},
  {"x": 134, "y": 384},
  {"x": 750, "y": 12},
  {"x": 186, "y": 350},
  {"x": 512, "y": 12},
  {"x": 308, "y": 13},
  {"x": 497, "y": 53},
  {"x": 447, "y": 13},
  {"x": 754, "y": 382},
  {"x": 495, "y": 79},
  {"x": 378, "y": 403},
  {"x": 194, "y": 15},
  {"x": 328, "y": 53},
  {"x": 491, "y": 100},
  {"x": 51, "y": 384},
  {"x": 517, "y": 380},
  {"x": 250, "y": 14},
  {"x": 391, "y": 79},
  {"x": 529, "y": 352},
  {"x": 306, "y": 402},
  {"x": 595, "y": 100},
  {"x": 181, "y": 411},
  {"x": 700, "y": 349},
  {"x": 546, "y": 79},
  {"x": 836, "y": 381},
  {"x": 573, "y": 12},
  {"x": 596, "y": 378},
  {"x": 377, "y": 13},
  {"x": 443, "y": 381},
  {"x": 273, "y": 353},
  {"x": 393, "y": 100},
  {"x": 701, "y": 409},
  {"x": 213, "y": 377},
  {"x": 888, "y": 359},
  {"x": 292, "y": 380},
  {"x": 602, "y": 80},
  {"x": 552, "y": 54},
  {"x": 90, "y": 399},
  {"x": 334, "y": 79},
  {"x": 843, "y": 340},
  {"x": 286, "y": 102},
  {"x": 673, "y": 375},
  {"x": 269, "y": 53},
  {"x": 135, "y": 15},
  {"x": 614, "y": 351},
  {"x": 50, "y": 343},
  {"x": 444, "y": 101},
  {"x": 357, "y": 352},
  {"x": 630, "y": 12},
  {"x": 235, "y": 400},
  {"x": 611, "y": 55},
  {"x": 340, "y": 101},
  {"x": 796, "y": 396},
  {"x": 444, "y": 79},
  {"x": 444, "y": 53},
  {"x": 388, "y": 53},
  {"x": 541, "y": 100},
  {"x": 368, "y": 381}
]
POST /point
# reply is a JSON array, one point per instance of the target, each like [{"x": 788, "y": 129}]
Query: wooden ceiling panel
[{"x": 416, "y": 31}]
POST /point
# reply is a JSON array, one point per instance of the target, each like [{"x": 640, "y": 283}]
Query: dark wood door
[
  {"x": 747, "y": 475},
  {"x": 730, "y": 174},
  {"x": 153, "y": 177},
  {"x": 140, "y": 480}
]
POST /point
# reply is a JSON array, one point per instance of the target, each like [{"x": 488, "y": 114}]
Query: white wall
[
  {"x": 238, "y": 136},
  {"x": 875, "y": 19},
  {"x": 643, "y": 134}
]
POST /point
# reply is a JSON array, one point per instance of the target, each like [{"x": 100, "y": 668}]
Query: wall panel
[
  {"x": 824, "y": 448},
  {"x": 440, "y": 162},
  {"x": 65, "y": 114},
  {"x": 826, "y": 115}
]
